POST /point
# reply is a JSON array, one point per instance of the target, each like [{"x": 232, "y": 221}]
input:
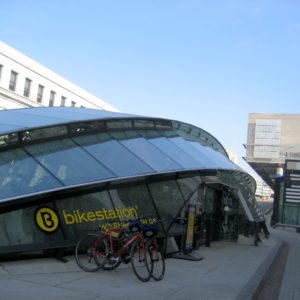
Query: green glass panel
[
  {"x": 19, "y": 227},
  {"x": 143, "y": 123},
  {"x": 20, "y": 174},
  {"x": 124, "y": 135},
  {"x": 151, "y": 155},
  {"x": 107, "y": 150},
  {"x": 80, "y": 214},
  {"x": 188, "y": 186},
  {"x": 290, "y": 215},
  {"x": 119, "y": 124},
  {"x": 43, "y": 133},
  {"x": 150, "y": 134},
  {"x": 69, "y": 162},
  {"x": 8, "y": 139},
  {"x": 91, "y": 139},
  {"x": 163, "y": 124},
  {"x": 136, "y": 199},
  {"x": 298, "y": 215},
  {"x": 168, "y": 200},
  {"x": 209, "y": 201},
  {"x": 79, "y": 128}
]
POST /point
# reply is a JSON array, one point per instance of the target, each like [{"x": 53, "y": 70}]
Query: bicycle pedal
[{"x": 113, "y": 260}]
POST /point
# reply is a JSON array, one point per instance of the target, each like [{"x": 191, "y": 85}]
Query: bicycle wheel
[
  {"x": 157, "y": 266},
  {"x": 87, "y": 251},
  {"x": 138, "y": 261}
]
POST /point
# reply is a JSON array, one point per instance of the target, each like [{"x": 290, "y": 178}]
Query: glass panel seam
[
  {"x": 48, "y": 171},
  {"x": 91, "y": 155},
  {"x": 155, "y": 208},
  {"x": 184, "y": 202},
  {"x": 154, "y": 171}
]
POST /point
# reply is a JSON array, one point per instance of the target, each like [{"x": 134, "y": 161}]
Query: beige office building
[{"x": 25, "y": 83}]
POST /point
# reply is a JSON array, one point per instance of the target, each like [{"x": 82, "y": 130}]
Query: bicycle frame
[{"x": 128, "y": 241}]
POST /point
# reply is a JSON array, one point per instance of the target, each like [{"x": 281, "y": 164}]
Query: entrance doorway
[{"x": 220, "y": 214}]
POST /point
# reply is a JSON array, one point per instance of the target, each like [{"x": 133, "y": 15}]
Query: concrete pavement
[
  {"x": 228, "y": 271},
  {"x": 290, "y": 287}
]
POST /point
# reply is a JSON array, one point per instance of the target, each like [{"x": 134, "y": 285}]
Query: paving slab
[
  {"x": 225, "y": 271},
  {"x": 290, "y": 287}
]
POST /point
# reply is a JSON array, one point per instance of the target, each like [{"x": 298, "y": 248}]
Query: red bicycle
[{"x": 116, "y": 245}]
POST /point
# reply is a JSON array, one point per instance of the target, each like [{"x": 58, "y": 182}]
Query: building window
[
  {"x": 267, "y": 138},
  {"x": 40, "y": 92},
  {"x": 73, "y": 103},
  {"x": 13, "y": 80},
  {"x": 51, "y": 100},
  {"x": 63, "y": 101},
  {"x": 27, "y": 87}
]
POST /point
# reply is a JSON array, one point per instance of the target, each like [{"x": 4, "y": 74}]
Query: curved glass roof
[
  {"x": 44, "y": 149},
  {"x": 19, "y": 119}
]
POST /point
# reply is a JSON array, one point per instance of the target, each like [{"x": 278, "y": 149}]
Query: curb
[{"x": 250, "y": 289}]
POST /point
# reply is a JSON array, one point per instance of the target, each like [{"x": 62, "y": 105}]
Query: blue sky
[{"x": 208, "y": 63}]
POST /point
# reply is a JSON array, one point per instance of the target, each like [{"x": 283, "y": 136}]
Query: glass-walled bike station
[{"x": 66, "y": 171}]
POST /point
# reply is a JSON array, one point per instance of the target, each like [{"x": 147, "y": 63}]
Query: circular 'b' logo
[{"x": 47, "y": 219}]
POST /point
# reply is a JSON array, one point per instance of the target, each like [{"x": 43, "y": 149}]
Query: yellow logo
[
  {"x": 76, "y": 216},
  {"x": 46, "y": 219}
]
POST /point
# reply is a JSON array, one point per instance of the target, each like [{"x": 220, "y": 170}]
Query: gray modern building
[
  {"x": 272, "y": 138},
  {"x": 64, "y": 171},
  {"x": 273, "y": 151}
]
